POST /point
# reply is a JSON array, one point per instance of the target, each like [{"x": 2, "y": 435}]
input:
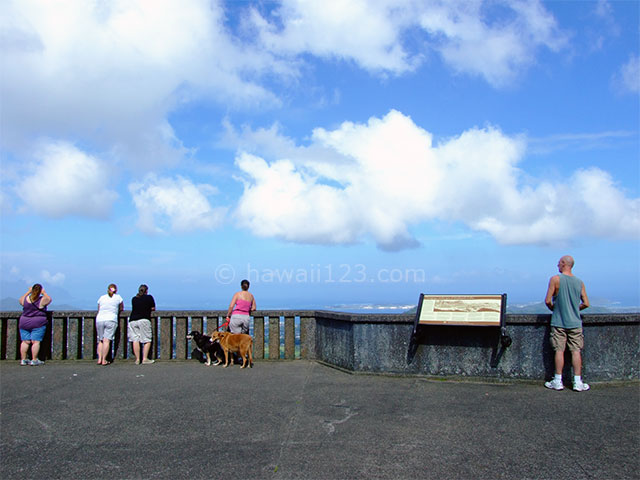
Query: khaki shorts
[
  {"x": 139, "y": 331},
  {"x": 563, "y": 337}
]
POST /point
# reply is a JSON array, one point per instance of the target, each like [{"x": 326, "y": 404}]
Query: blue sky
[{"x": 334, "y": 153}]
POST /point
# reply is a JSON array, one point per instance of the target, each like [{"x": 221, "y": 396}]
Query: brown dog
[{"x": 240, "y": 343}]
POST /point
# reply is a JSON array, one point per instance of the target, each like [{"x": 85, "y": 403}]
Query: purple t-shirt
[{"x": 32, "y": 315}]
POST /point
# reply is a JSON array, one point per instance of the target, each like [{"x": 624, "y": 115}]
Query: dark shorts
[{"x": 563, "y": 337}]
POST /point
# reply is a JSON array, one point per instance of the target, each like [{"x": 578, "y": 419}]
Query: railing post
[
  {"x": 121, "y": 340},
  {"x": 13, "y": 339},
  {"x": 307, "y": 338},
  {"x": 197, "y": 324},
  {"x": 258, "y": 337},
  {"x": 217, "y": 322},
  {"x": 166, "y": 338},
  {"x": 155, "y": 344},
  {"x": 74, "y": 341},
  {"x": 3, "y": 338},
  {"x": 59, "y": 338},
  {"x": 181, "y": 338},
  {"x": 274, "y": 337},
  {"x": 289, "y": 338},
  {"x": 89, "y": 338}
]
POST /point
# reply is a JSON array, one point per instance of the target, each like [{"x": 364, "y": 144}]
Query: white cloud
[
  {"x": 110, "y": 72},
  {"x": 495, "y": 40},
  {"x": 66, "y": 181},
  {"x": 57, "y": 279},
  {"x": 174, "y": 205},
  {"x": 359, "y": 30},
  {"x": 497, "y": 48},
  {"x": 386, "y": 176},
  {"x": 628, "y": 77}
]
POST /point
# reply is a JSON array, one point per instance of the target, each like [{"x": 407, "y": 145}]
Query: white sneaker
[
  {"x": 581, "y": 387},
  {"x": 554, "y": 384},
  {"x": 25, "y": 362}
]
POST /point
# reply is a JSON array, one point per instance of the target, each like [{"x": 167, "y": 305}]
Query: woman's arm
[
  {"x": 46, "y": 299},
  {"x": 23, "y": 297},
  {"x": 253, "y": 303},
  {"x": 232, "y": 304}
]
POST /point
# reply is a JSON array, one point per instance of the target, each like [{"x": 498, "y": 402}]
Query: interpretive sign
[{"x": 461, "y": 310}]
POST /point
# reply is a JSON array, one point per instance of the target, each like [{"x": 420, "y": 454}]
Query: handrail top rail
[{"x": 511, "y": 319}]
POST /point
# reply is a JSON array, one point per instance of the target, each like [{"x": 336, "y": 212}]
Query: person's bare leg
[
  {"x": 106, "y": 345},
  {"x": 559, "y": 361},
  {"x": 146, "y": 350},
  {"x": 136, "y": 351},
  {"x": 576, "y": 361},
  {"x": 24, "y": 349},
  {"x": 35, "y": 349}
]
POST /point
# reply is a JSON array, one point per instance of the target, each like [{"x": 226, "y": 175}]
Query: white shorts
[
  {"x": 139, "y": 331},
  {"x": 106, "y": 330}
]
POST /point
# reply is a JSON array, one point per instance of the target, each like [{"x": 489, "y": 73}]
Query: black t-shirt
[{"x": 141, "y": 307}]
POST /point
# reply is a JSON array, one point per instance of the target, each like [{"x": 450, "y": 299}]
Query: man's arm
[
  {"x": 554, "y": 283},
  {"x": 583, "y": 297}
]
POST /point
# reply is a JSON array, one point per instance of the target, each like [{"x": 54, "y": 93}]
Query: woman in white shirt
[{"x": 109, "y": 307}]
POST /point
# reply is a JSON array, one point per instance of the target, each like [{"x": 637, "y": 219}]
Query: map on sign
[{"x": 470, "y": 310}]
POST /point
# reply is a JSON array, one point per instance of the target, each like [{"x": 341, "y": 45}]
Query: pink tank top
[{"x": 242, "y": 307}]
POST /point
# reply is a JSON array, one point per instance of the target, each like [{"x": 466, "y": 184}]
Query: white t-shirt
[{"x": 108, "y": 308}]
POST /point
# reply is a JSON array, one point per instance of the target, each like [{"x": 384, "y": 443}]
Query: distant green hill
[{"x": 10, "y": 304}]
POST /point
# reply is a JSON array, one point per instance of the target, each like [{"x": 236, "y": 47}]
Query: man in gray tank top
[{"x": 566, "y": 297}]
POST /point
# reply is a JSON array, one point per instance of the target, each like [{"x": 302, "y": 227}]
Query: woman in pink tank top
[{"x": 240, "y": 308}]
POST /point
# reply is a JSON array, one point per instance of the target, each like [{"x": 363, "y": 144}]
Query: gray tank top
[{"x": 566, "y": 303}]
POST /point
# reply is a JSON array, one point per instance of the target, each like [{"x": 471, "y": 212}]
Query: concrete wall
[
  {"x": 386, "y": 344},
  {"x": 366, "y": 343}
]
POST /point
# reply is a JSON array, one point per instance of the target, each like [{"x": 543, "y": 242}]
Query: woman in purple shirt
[{"x": 33, "y": 323}]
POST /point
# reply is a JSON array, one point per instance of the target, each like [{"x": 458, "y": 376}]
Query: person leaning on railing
[
  {"x": 109, "y": 307},
  {"x": 33, "y": 323},
  {"x": 240, "y": 308},
  {"x": 139, "y": 330}
]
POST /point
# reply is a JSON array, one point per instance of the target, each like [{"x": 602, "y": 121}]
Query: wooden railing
[{"x": 71, "y": 335}]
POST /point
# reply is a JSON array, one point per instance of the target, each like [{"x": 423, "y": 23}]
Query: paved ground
[{"x": 302, "y": 420}]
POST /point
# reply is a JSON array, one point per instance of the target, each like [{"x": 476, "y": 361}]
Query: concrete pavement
[{"x": 303, "y": 420}]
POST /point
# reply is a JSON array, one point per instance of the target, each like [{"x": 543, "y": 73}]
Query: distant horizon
[{"x": 350, "y": 308}]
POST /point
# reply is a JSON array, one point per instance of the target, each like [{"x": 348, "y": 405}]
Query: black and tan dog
[
  {"x": 239, "y": 343},
  {"x": 206, "y": 347}
]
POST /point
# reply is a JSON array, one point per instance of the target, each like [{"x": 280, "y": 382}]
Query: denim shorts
[
  {"x": 106, "y": 330},
  {"x": 35, "y": 334}
]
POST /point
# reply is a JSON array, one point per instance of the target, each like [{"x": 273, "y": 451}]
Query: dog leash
[{"x": 225, "y": 324}]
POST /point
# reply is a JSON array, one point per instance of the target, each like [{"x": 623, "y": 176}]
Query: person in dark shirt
[{"x": 139, "y": 330}]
